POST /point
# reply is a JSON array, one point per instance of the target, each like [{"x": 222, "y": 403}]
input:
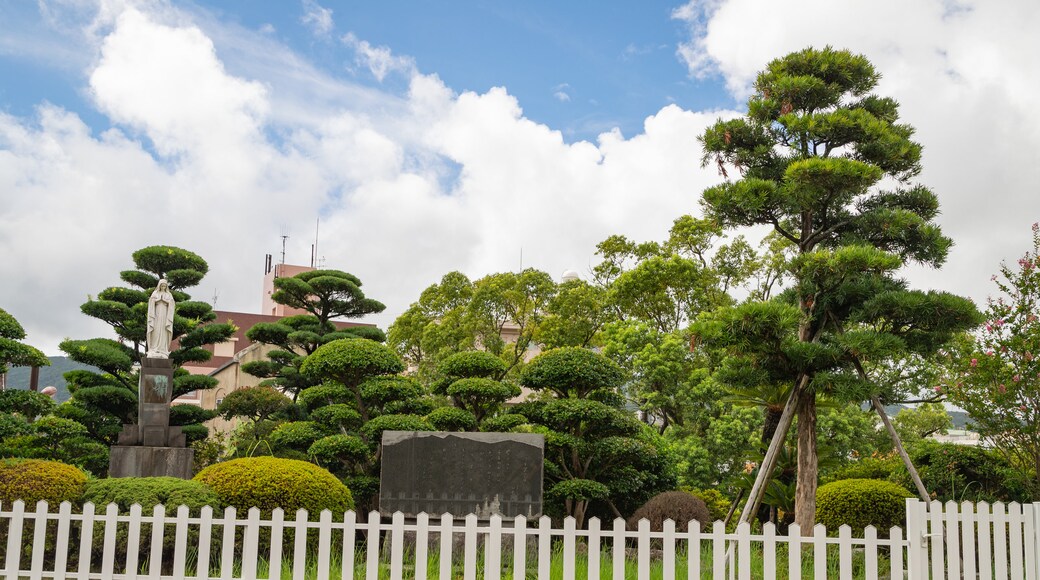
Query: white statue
[{"x": 160, "y": 321}]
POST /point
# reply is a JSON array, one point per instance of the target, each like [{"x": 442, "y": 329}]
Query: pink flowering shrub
[{"x": 997, "y": 377}]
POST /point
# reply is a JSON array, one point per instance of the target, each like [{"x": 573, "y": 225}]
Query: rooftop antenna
[
  {"x": 521, "y": 259},
  {"x": 284, "y": 238},
  {"x": 216, "y": 294},
  {"x": 314, "y": 248}
]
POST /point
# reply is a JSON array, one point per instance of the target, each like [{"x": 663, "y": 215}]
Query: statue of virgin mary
[{"x": 160, "y": 321}]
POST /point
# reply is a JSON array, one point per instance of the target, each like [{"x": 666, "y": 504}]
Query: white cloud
[
  {"x": 966, "y": 80},
  {"x": 317, "y": 18},
  {"x": 379, "y": 60}
]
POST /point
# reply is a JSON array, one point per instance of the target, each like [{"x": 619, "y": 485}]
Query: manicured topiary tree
[
  {"x": 32, "y": 480},
  {"x": 272, "y": 482},
  {"x": 859, "y": 503},
  {"x": 470, "y": 380},
  {"x": 595, "y": 450}
]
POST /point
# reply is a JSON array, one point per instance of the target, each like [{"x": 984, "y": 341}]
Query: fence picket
[
  {"x": 619, "y": 548},
  {"x": 1028, "y": 541},
  {"x": 447, "y": 525},
  {"x": 274, "y": 563},
  {"x": 593, "y": 549},
  {"x": 917, "y": 548},
  {"x": 205, "y": 536},
  {"x": 693, "y": 550},
  {"x": 519, "y": 548},
  {"x": 718, "y": 550},
  {"x": 794, "y": 552},
  {"x": 568, "y": 548},
  {"x": 936, "y": 538},
  {"x": 544, "y": 546},
  {"x": 158, "y": 532},
  {"x": 952, "y": 535},
  {"x": 668, "y": 549},
  {"x": 14, "y": 540},
  {"x": 870, "y": 544},
  {"x": 299, "y": 570},
  {"x": 86, "y": 539},
  {"x": 396, "y": 547},
  {"x": 983, "y": 519},
  {"x": 769, "y": 551},
  {"x": 469, "y": 558},
  {"x": 40, "y": 541},
  {"x": 61, "y": 548},
  {"x": 968, "y": 539},
  {"x": 744, "y": 551},
  {"x": 845, "y": 551},
  {"x": 1000, "y": 564},
  {"x": 250, "y": 543},
  {"x": 819, "y": 551},
  {"x": 493, "y": 550},
  {"x": 181, "y": 543},
  {"x": 643, "y": 550},
  {"x": 349, "y": 535},
  {"x": 895, "y": 554},
  {"x": 1015, "y": 540},
  {"x": 372, "y": 547},
  {"x": 422, "y": 538},
  {"x": 227, "y": 543},
  {"x": 324, "y": 545}
]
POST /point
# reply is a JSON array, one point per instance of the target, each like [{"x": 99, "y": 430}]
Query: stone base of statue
[{"x": 152, "y": 448}]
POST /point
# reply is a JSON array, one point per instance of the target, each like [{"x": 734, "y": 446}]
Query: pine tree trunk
[{"x": 805, "y": 492}]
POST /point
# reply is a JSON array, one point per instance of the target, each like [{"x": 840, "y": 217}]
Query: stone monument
[
  {"x": 461, "y": 473},
  {"x": 152, "y": 447}
]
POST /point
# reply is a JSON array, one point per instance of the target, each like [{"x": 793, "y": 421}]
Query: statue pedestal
[
  {"x": 152, "y": 448},
  {"x": 141, "y": 461}
]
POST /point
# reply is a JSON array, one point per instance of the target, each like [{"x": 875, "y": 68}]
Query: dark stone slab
[
  {"x": 461, "y": 473},
  {"x": 141, "y": 461}
]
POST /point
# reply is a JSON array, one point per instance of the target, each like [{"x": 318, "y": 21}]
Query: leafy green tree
[
  {"x": 13, "y": 352},
  {"x": 499, "y": 313},
  {"x": 104, "y": 401},
  {"x": 325, "y": 295},
  {"x": 916, "y": 423},
  {"x": 811, "y": 157},
  {"x": 471, "y": 381},
  {"x": 254, "y": 403},
  {"x": 595, "y": 449},
  {"x": 29, "y": 428},
  {"x": 996, "y": 376}
]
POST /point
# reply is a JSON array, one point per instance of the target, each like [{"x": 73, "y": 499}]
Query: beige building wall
[
  {"x": 270, "y": 307},
  {"x": 230, "y": 377}
]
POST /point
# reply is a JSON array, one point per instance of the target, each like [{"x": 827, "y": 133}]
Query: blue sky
[{"x": 430, "y": 137}]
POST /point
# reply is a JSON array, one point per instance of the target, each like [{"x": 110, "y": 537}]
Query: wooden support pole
[
  {"x": 765, "y": 471},
  {"x": 898, "y": 443}
]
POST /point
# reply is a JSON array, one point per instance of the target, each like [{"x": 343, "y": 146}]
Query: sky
[{"x": 416, "y": 138}]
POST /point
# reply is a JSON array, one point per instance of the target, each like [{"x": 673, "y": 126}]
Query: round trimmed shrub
[
  {"x": 271, "y": 482},
  {"x": 859, "y": 503},
  {"x": 296, "y": 435},
  {"x": 452, "y": 419},
  {"x": 32, "y": 480},
  {"x": 678, "y": 506}
]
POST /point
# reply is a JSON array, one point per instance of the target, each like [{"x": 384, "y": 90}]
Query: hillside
[{"x": 18, "y": 377}]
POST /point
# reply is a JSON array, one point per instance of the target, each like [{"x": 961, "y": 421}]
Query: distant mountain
[{"x": 18, "y": 377}]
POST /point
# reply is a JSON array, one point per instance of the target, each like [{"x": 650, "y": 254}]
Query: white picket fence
[{"x": 943, "y": 541}]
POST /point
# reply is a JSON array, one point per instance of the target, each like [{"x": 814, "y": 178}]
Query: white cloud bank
[
  {"x": 204, "y": 159},
  {"x": 224, "y": 139}
]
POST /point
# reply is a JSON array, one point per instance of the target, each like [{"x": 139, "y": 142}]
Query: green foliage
[
  {"x": 296, "y": 434},
  {"x": 149, "y": 492},
  {"x": 889, "y": 468},
  {"x": 12, "y": 351},
  {"x": 859, "y": 503},
  {"x": 373, "y": 430},
  {"x": 571, "y": 372},
  {"x": 996, "y": 376},
  {"x": 350, "y": 361},
  {"x": 349, "y": 450},
  {"x": 678, "y": 506},
  {"x": 270, "y": 482},
  {"x": 915, "y": 423},
  {"x": 452, "y": 419},
  {"x": 579, "y": 489},
  {"x": 717, "y": 504},
  {"x": 961, "y": 472},
  {"x": 254, "y": 403},
  {"x": 27, "y": 404},
  {"x": 32, "y": 480}
]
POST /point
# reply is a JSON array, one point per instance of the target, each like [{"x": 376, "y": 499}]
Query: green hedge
[
  {"x": 271, "y": 482},
  {"x": 32, "y": 480},
  {"x": 859, "y": 503},
  {"x": 149, "y": 492}
]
